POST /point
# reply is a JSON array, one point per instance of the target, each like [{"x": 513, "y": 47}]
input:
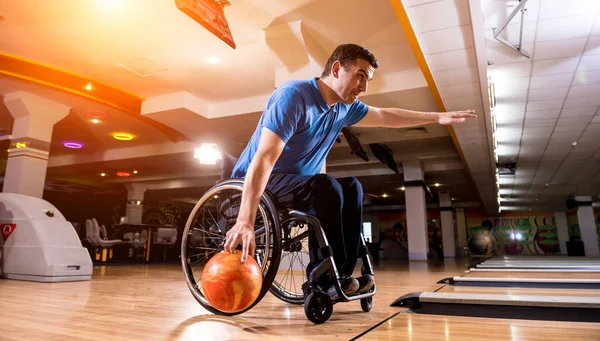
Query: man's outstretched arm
[
  {"x": 270, "y": 147},
  {"x": 401, "y": 118}
]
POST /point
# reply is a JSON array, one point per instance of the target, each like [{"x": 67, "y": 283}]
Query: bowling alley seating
[
  {"x": 166, "y": 238},
  {"x": 137, "y": 244},
  {"x": 102, "y": 245}
]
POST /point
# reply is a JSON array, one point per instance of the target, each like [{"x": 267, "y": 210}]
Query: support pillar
[
  {"x": 416, "y": 211},
  {"x": 562, "y": 229},
  {"x": 587, "y": 226},
  {"x": 461, "y": 227},
  {"x": 34, "y": 119},
  {"x": 447, "y": 225},
  {"x": 135, "y": 202}
]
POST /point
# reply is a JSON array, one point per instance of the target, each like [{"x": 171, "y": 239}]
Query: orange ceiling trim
[
  {"x": 33, "y": 71},
  {"x": 19, "y": 67},
  {"x": 413, "y": 41}
]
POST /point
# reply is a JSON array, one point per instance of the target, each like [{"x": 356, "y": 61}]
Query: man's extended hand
[
  {"x": 241, "y": 233},
  {"x": 450, "y": 117}
]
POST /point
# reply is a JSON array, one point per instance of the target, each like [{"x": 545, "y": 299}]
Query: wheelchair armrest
[{"x": 314, "y": 221}]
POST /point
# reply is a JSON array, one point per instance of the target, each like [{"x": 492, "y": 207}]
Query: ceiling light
[
  {"x": 384, "y": 195},
  {"x": 95, "y": 121},
  {"x": 134, "y": 172},
  {"x": 102, "y": 174},
  {"x": 213, "y": 60},
  {"x": 122, "y": 136},
  {"x": 88, "y": 86},
  {"x": 402, "y": 188},
  {"x": 546, "y": 185},
  {"x": 574, "y": 143},
  {"x": 74, "y": 145},
  {"x": 207, "y": 153},
  {"x": 436, "y": 184},
  {"x": 123, "y": 174}
]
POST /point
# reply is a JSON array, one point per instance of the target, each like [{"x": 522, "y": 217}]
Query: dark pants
[{"x": 337, "y": 203}]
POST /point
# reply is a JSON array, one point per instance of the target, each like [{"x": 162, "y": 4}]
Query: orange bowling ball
[{"x": 230, "y": 285}]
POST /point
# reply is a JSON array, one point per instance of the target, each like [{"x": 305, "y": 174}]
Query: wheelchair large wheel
[
  {"x": 204, "y": 235},
  {"x": 287, "y": 285}
]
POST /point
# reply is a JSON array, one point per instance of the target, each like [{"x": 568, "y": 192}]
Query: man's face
[{"x": 351, "y": 82}]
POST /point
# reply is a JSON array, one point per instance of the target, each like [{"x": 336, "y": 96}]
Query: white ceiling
[
  {"x": 543, "y": 104},
  {"x": 548, "y": 102}
]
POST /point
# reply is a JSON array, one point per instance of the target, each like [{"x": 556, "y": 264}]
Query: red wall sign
[{"x": 7, "y": 229}]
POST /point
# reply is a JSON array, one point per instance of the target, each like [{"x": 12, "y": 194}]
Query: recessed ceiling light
[
  {"x": 213, "y": 60},
  {"x": 88, "y": 86},
  {"x": 574, "y": 143},
  {"x": 123, "y": 174},
  {"x": 122, "y": 136},
  {"x": 134, "y": 172},
  {"x": 73, "y": 145},
  {"x": 436, "y": 184},
  {"x": 95, "y": 121},
  {"x": 384, "y": 195},
  {"x": 102, "y": 174},
  {"x": 402, "y": 188}
]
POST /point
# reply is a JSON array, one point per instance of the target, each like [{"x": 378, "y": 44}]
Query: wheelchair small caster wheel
[
  {"x": 318, "y": 307},
  {"x": 366, "y": 304}
]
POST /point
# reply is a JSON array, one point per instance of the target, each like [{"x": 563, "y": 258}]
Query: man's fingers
[
  {"x": 244, "y": 250},
  {"x": 252, "y": 249}
]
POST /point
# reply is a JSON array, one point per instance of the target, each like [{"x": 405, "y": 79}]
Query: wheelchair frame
[{"x": 318, "y": 305}]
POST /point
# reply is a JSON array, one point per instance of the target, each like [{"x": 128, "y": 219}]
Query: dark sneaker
[
  {"x": 349, "y": 286},
  {"x": 365, "y": 283}
]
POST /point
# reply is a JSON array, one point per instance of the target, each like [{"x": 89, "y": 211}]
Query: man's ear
[{"x": 335, "y": 69}]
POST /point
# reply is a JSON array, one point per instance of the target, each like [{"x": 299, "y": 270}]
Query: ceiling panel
[
  {"x": 561, "y": 8},
  {"x": 452, "y": 60},
  {"x": 439, "y": 15},
  {"x": 565, "y": 27},
  {"x": 448, "y": 39},
  {"x": 551, "y": 81},
  {"x": 559, "y": 48},
  {"x": 548, "y": 94},
  {"x": 554, "y": 66},
  {"x": 456, "y": 76},
  {"x": 584, "y": 91},
  {"x": 545, "y": 105},
  {"x": 582, "y": 102}
]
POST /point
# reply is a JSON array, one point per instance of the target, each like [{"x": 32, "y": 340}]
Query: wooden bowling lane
[
  {"x": 525, "y": 274},
  {"x": 519, "y": 291}
]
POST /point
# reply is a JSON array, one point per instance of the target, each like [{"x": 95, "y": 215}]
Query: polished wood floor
[
  {"x": 152, "y": 302},
  {"x": 514, "y": 274}
]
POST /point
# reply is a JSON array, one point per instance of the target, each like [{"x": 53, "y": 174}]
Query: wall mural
[
  {"x": 535, "y": 235},
  {"x": 161, "y": 213}
]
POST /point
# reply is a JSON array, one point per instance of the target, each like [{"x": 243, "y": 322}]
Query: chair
[
  {"x": 165, "y": 236},
  {"x": 281, "y": 237},
  {"x": 102, "y": 243}
]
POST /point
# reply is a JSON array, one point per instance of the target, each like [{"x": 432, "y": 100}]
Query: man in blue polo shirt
[{"x": 298, "y": 127}]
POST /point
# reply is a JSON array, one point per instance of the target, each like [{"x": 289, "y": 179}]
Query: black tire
[
  {"x": 318, "y": 307},
  {"x": 366, "y": 304},
  {"x": 287, "y": 284},
  {"x": 202, "y": 237}
]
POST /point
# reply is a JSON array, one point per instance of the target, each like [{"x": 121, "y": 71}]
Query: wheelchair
[{"x": 281, "y": 236}]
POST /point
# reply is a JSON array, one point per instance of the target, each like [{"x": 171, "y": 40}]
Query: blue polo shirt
[{"x": 299, "y": 115}]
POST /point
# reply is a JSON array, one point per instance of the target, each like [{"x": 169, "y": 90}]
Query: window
[{"x": 367, "y": 233}]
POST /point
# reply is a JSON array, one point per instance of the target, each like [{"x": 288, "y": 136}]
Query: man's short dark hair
[{"x": 346, "y": 54}]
